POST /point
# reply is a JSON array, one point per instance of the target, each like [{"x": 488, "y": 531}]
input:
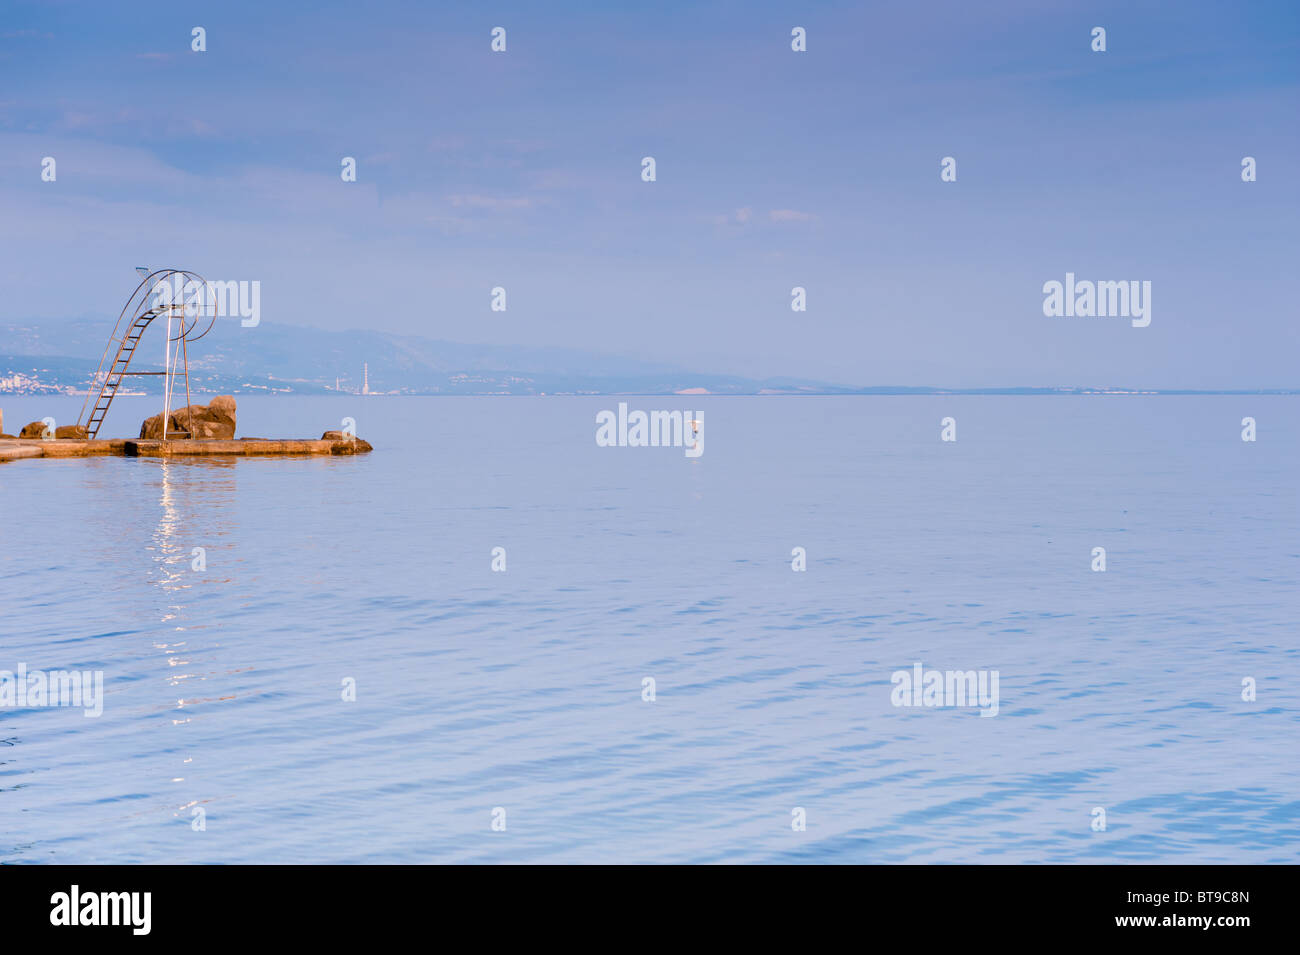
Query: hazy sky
[{"x": 775, "y": 169}]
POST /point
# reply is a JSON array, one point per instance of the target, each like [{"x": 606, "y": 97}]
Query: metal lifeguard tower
[{"x": 184, "y": 298}]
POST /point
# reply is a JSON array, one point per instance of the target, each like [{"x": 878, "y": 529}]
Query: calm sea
[{"x": 522, "y": 690}]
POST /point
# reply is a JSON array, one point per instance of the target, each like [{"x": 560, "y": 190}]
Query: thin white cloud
[
  {"x": 742, "y": 216},
  {"x": 492, "y": 203}
]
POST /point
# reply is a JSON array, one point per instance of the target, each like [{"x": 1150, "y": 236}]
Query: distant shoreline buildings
[{"x": 20, "y": 384}]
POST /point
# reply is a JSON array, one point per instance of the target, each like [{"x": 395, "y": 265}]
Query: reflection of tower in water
[
  {"x": 196, "y": 499},
  {"x": 196, "y": 509},
  {"x": 167, "y": 544}
]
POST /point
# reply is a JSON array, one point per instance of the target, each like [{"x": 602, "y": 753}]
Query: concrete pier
[{"x": 15, "y": 448}]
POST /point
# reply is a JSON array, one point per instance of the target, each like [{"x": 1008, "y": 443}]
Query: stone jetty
[{"x": 214, "y": 434}]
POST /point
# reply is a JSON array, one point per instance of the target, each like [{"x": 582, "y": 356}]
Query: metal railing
[{"x": 196, "y": 300}]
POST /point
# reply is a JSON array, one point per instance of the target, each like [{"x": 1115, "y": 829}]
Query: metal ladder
[{"x": 113, "y": 378}]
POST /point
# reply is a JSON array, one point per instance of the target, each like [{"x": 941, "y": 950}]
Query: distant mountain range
[
  {"x": 61, "y": 356},
  {"x": 284, "y": 358}
]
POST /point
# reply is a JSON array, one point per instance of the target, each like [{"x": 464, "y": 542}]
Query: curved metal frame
[{"x": 142, "y": 316}]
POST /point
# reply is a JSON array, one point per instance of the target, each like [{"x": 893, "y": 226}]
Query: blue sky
[{"x": 775, "y": 169}]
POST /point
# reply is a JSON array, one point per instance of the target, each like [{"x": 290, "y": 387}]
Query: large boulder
[
  {"x": 355, "y": 446},
  {"x": 345, "y": 443},
  {"x": 213, "y": 421},
  {"x": 223, "y": 407},
  {"x": 37, "y": 430}
]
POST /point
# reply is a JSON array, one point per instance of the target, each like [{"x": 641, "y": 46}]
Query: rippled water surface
[{"x": 523, "y": 689}]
